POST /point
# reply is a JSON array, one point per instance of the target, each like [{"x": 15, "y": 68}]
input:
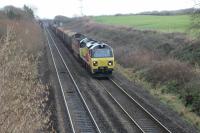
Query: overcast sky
[{"x": 70, "y": 8}]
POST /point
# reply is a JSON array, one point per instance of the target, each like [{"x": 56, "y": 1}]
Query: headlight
[
  {"x": 110, "y": 63},
  {"x": 95, "y": 63}
]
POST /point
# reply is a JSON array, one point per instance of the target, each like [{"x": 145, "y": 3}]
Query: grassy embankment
[
  {"x": 174, "y": 81},
  {"x": 179, "y": 23},
  {"x": 171, "y": 77},
  {"x": 166, "y": 64},
  {"x": 23, "y": 97}
]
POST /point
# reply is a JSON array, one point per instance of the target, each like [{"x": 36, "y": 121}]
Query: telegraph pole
[{"x": 81, "y": 7}]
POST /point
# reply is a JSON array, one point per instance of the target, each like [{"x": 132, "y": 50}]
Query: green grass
[{"x": 179, "y": 23}]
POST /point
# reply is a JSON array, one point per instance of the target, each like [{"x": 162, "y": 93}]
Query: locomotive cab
[{"x": 102, "y": 59}]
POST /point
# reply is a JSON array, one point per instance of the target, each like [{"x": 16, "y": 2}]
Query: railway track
[
  {"x": 144, "y": 120},
  {"x": 140, "y": 117},
  {"x": 80, "y": 116}
]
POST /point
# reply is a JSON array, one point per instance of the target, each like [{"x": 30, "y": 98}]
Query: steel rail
[
  {"x": 76, "y": 86},
  {"x": 61, "y": 87},
  {"x": 129, "y": 116},
  {"x": 118, "y": 86}
]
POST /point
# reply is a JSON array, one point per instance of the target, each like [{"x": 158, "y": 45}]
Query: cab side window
[{"x": 82, "y": 45}]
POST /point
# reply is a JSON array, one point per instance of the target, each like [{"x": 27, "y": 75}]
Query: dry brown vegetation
[
  {"x": 23, "y": 98},
  {"x": 161, "y": 60},
  {"x": 169, "y": 70}
]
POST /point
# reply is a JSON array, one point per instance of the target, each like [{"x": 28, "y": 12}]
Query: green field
[{"x": 178, "y": 23}]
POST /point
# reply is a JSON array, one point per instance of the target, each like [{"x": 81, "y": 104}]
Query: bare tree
[
  {"x": 29, "y": 11},
  {"x": 196, "y": 3}
]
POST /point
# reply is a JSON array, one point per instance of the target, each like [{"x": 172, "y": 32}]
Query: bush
[
  {"x": 190, "y": 53},
  {"x": 167, "y": 71},
  {"x": 191, "y": 95},
  {"x": 172, "y": 86},
  {"x": 139, "y": 58}
]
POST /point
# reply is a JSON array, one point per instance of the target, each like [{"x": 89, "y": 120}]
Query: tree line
[{"x": 17, "y": 13}]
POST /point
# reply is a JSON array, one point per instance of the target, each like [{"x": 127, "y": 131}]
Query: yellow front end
[{"x": 102, "y": 65}]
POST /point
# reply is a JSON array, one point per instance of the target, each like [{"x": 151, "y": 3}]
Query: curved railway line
[{"x": 81, "y": 119}]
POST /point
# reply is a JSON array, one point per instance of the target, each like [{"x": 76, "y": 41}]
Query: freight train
[{"x": 97, "y": 57}]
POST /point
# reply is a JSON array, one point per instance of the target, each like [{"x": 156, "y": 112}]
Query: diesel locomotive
[{"x": 97, "y": 57}]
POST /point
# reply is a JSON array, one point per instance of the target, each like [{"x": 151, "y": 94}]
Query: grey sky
[{"x": 70, "y": 8}]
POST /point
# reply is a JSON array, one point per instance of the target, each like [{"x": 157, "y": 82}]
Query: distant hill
[{"x": 175, "y": 12}]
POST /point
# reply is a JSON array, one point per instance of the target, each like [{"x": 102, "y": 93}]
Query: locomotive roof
[
  {"x": 100, "y": 45},
  {"x": 91, "y": 44}
]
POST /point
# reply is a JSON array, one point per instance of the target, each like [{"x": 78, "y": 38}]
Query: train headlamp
[
  {"x": 95, "y": 63},
  {"x": 110, "y": 63}
]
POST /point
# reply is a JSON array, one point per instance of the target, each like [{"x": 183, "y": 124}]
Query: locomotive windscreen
[{"x": 102, "y": 53}]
